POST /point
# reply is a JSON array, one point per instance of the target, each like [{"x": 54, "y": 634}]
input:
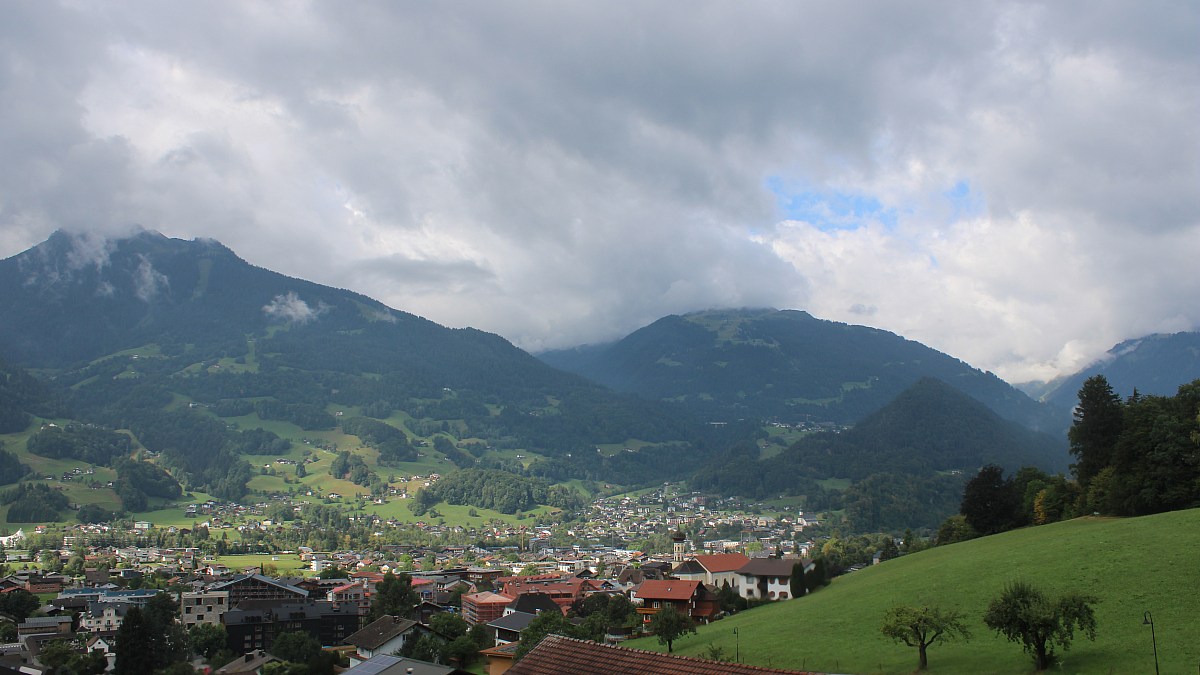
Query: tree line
[{"x": 1133, "y": 457}]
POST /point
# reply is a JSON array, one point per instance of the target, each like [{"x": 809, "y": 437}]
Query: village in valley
[{"x": 702, "y": 556}]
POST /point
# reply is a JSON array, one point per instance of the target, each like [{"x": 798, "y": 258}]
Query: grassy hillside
[{"x": 1132, "y": 565}]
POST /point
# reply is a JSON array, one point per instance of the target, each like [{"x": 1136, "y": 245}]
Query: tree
[
  {"x": 296, "y": 646},
  {"x": 449, "y": 625},
  {"x": 19, "y": 604},
  {"x": 1097, "y": 426},
  {"x": 149, "y": 638},
  {"x": 394, "y": 596},
  {"x": 819, "y": 576},
  {"x": 207, "y": 639},
  {"x": 922, "y": 627},
  {"x": 1025, "y": 614},
  {"x": 990, "y": 501},
  {"x": 545, "y": 624},
  {"x": 796, "y": 582},
  {"x": 670, "y": 625},
  {"x": 425, "y": 648},
  {"x": 134, "y": 644},
  {"x": 954, "y": 529},
  {"x": 56, "y": 654}
]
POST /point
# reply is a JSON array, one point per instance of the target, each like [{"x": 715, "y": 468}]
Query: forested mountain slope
[
  {"x": 908, "y": 461},
  {"x": 168, "y": 338},
  {"x": 784, "y": 364}
]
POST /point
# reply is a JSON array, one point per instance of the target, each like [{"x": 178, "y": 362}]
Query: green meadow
[{"x": 1131, "y": 565}]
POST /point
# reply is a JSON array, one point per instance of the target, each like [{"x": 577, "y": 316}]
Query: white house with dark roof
[
  {"x": 767, "y": 578},
  {"x": 386, "y": 635}
]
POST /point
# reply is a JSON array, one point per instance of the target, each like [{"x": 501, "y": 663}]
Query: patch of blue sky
[
  {"x": 829, "y": 210},
  {"x": 965, "y": 202}
]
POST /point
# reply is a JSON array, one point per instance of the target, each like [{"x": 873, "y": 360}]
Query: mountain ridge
[{"x": 784, "y": 364}]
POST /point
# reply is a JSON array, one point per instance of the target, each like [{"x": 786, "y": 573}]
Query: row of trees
[
  {"x": 1021, "y": 613},
  {"x": 1137, "y": 456},
  {"x": 1133, "y": 457}
]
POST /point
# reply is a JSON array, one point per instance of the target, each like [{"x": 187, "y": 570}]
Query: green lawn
[
  {"x": 287, "y": 564},
  {"x": 1132, "y": 565}
]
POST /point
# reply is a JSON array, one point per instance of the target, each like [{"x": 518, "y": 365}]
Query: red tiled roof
[
  {"x": 487, "y": 597},
  {"x": 667, "y": 589},
  {"x": 558, "y": 655},
  {"x": 723, "y": 562}
]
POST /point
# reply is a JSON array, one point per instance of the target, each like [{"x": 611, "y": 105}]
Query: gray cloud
[{"x": 1011, "y": 182}]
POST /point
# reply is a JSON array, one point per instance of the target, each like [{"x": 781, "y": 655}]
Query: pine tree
[
  {"x": 797, "y": 580},
  {"x": 1098, "y": 423}
]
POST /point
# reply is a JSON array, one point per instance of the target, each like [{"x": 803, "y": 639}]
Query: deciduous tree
[
  {"x": 1040, "y": 623},
  {"x": 394, "y": 596},
  {"x": 670, "y": 625},
  {"x": 923, "y": 627}
]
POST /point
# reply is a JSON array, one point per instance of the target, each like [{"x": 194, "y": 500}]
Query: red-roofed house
[
  {"x": 714, "y": 570},
  {"x": 484, "y": 607},
  {"x": 563, "y": 590},
  {"x": 688, "y": 597},
  {"x": 353, "y": 594}
]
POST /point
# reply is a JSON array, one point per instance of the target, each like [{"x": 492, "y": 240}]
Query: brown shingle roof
[
  {"x": 558, "y": 655},
  {"x": 769, "y": 567},
  {"x": 376, "y": 634}
]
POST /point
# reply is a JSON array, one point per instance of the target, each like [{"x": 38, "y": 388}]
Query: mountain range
[
  {"x": 205, "y": 359},
  {"x": 786, "y": 365},
  {"x": 1151, "y": 365}
]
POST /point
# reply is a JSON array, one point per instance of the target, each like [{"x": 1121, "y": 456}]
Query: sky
[{"x": 1016, "y": 184}]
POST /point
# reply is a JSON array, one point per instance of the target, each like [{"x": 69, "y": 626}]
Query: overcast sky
[{"x": 1016, "y": 184}]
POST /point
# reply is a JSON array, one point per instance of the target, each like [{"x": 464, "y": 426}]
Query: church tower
[{"x": 679, "y": 541}]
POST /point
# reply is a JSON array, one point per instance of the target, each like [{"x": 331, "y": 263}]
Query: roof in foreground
[
  {"x": 384, "y": 664},
  {"x": 558, "y": 655}
]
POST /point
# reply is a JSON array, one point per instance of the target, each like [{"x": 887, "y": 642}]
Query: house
[
  {"x": 558, "y": 655},
  {"x": 532, "y": 603},
  {"x": 717, "y": 569},
  {"x": 50, "y": 583},
  {"x": 508, "y": 627},
  {"x": 690, "y": 598},
  {"x": 106, "y": 645},
  {"x": 103, "y": 617},
  {"x": 203, "y": 607},
  {"x": 258, "y": 587},
  {"x": 386, "y": 635},
  {"x": 253, "y": 624},
  {"x": 767, "y": 578},
  {"x": 563, "y": 590},
  {"x": 34, "y": 625},
  {"x": 500, "y": 659},
  {"x": 484, "y": 607},
  {"x": 351, "y": 595}
]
